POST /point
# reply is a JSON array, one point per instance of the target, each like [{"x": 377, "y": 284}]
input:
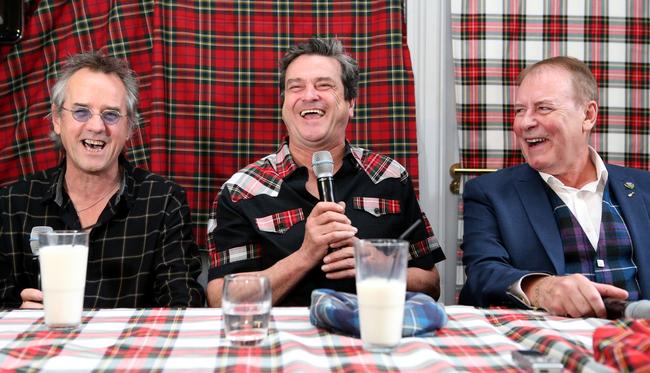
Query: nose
[
  {"x": 95, "y": 124},
  {"x": 526, "y": 120},
  {"x": 311, "y": 93}
]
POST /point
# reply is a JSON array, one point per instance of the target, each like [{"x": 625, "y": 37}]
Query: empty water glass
[{"x": 246, "y": 305}]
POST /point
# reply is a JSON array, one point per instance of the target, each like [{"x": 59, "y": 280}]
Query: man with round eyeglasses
[
  {"x": 141, "y": 250},
  {"x": 82, "y": 115}
]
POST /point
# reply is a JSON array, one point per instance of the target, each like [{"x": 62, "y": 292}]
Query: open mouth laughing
[
  {"x": 312, "y": 113},
  {"x": 533, "y": 142},
  {"x": 93, "y": 145}
]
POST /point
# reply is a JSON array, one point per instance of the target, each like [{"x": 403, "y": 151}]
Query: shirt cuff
[{"x": 515, "y": 289}]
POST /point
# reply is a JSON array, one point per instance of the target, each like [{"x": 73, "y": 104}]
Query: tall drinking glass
[
  {"x": 246, "y": 305},
  {"x": 381, "y": 290},
  {"x": 63, "y": 258}
]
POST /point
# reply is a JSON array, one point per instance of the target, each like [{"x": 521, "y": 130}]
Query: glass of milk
[
  {"x": 381, "y": 290},
  {"x": 63, "y": 258},
  {"x": 246, "y": 306}
]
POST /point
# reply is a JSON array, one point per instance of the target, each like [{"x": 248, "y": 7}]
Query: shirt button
[{"x": 377, "y": 210}]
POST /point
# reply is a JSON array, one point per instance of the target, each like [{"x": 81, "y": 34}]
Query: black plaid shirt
[{"x": 141, "y": 251}]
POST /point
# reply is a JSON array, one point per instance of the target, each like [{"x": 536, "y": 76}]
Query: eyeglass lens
[{"x": 108, "y": 116}]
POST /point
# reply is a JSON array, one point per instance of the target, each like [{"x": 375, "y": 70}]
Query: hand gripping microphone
[
  {"x": 323, "y": 166},
  {"x": 617, "y": 308}
]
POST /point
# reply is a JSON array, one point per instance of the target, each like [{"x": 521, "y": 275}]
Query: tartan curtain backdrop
[
  {"x": 209, "y": 102},
  {"x": 494, "y": 40}
]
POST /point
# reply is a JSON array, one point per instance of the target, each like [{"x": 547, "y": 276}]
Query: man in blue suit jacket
[{"x": 564, "y": 230}]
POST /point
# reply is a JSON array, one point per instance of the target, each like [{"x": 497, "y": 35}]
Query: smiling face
[
  {"x": 92, "y": 147},
  {"x": 314, "y": 108},
  {"x": 552, "y": 125}
]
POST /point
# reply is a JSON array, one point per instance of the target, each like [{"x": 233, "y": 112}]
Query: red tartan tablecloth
[
  {"x": 193, "y": 340},
  {"x": 625, "y": 345}
]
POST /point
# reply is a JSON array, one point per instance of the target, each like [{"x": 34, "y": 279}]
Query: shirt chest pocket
[
  {"x": 376, "y": 206},
  {"x": 280, "y": 222}
]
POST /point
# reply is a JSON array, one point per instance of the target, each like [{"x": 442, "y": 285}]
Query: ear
[
  {"x": 591, "y": 113},
  {"x": 56, "y": 119},
  {"x": 351, "y": 109}
]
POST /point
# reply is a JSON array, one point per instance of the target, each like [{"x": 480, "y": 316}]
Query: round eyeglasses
[{"x": 83, "y": 115}]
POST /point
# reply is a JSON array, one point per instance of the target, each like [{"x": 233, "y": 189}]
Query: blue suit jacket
[{"x": 510, "y": 231}]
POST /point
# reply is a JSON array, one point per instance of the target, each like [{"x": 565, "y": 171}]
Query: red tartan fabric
[
  {"x": 209, "y": 99},
  {"x": 280, "y": 222},
  {"x": 625, "y": 346},
  {"x": 376, "y": 206}
]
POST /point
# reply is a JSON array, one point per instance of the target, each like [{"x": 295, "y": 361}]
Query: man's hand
[
  {"x": 572, "y": 295},
  {"x": 32, "y": 298},
  {"x": 340, "y": 263},
  {"x": 326, "y": 226}
]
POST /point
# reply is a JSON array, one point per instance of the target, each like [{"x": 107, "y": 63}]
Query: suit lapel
[{"x": 530, "y": 187}]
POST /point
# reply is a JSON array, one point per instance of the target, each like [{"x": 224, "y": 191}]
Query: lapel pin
[{"x": 629, "y": 185}]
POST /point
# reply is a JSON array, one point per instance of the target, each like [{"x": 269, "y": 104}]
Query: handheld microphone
[
  {"x": 35, "y": 246},
  {"x": 323, "y": 166},
  {"x": 617, "y": 308}
]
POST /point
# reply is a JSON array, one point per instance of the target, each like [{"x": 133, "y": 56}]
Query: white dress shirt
[{"x": 586, "y": 203}]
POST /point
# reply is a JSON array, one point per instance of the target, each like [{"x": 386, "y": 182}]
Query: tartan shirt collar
[
  {"x": 127, "y": 184},
  {"x": 283, "y": 163},
  {"x": 376, "y": 166}
]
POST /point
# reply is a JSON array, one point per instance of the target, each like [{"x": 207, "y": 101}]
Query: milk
[
  {"x": 381, "y": 310},
  {"x": 63, "y": 276}
]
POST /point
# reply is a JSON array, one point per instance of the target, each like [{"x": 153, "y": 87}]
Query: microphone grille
[
  {"x": 33, "y": 237},
  {"x": 322, "y": 164},
  {"x": 638, "y": 310}
]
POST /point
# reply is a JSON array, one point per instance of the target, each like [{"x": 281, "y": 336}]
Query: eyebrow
[
  {"x": 536, "y": 103},
  {"x": 325, "y": 79},
  {"x": 116, "y": 108},
  {"x": 294, "y": 80},
  {"x": 318, "y": 80}
]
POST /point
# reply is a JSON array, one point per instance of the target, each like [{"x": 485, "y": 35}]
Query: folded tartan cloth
[
  {"x": 338, "y": 312},
  {"x": 624, "y": 345}
]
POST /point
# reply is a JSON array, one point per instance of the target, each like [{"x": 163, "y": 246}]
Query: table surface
[{"x": 193, "y": 340}]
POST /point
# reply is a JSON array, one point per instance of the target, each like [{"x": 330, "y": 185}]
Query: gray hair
[
  {"x": 97, "y": 62},
  {"x": 329, "y": 48},
  {"x": 584, "y": 84}
]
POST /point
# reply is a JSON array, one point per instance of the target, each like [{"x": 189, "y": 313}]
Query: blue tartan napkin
[{"x": 339, "y": 312}]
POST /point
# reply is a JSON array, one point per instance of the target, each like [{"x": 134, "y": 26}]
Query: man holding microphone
[{"x": 270, "y": 217}]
